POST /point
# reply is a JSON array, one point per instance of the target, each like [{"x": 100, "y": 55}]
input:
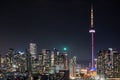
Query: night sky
[{"x": 59, "y": 23}]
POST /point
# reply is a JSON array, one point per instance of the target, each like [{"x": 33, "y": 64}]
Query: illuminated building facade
[
  {"x": 72, "y": 67},
  {"x": 33, "y": 50},
  {"x": 108, "y": 62},
  {"x": 48, "y": 62}
]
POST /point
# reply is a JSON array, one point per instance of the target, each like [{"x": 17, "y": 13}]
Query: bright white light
[
  {"x": 110, "y": 49},
  {"x": 72, "y": 77},
  {"x": 21, "y": 52},
  {"x": 95, "y": 59},
  {"x": 102, "y": 78},
  {"x": 14, "y": 66},
  {"x": 99, "y": 77},
  {"x": 92, "y": 31}
]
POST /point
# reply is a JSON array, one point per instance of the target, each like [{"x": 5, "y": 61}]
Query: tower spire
[{"x": 92, "y": 16}]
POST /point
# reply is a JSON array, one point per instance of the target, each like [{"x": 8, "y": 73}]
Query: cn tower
[{"x": 92, "y": 31}]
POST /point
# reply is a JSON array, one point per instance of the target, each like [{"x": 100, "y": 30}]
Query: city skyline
[{"x": 57, "y": 24}]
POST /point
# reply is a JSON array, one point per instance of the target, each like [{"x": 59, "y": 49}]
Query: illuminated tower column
[
  {"x": 66, "y": 61},
  {"x": 92, "y": 31}
]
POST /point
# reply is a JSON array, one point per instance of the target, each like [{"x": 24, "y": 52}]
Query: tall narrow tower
[{"x": 92, "y": 31}]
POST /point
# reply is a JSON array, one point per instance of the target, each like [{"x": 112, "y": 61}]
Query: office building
[{"x": 108, "y": 63}]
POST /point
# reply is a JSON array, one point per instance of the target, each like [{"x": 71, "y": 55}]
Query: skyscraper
[
  {"x": 33, "y": 50},
  {"x": 108, "y": 62}
]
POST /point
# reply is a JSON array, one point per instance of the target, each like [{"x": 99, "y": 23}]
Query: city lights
[{"x": 59, "y": 40}]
